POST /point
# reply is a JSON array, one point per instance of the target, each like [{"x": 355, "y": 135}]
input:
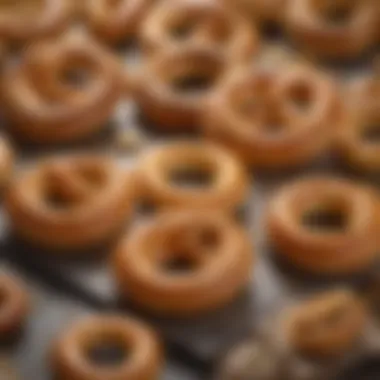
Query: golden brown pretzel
[
  {"x": 326, "y": 325},
  {"x": 72, "y": 351},
  {"x": 358, "y": 139},
  {"x": 347, "y": 245},
  {"x": 213, "y": 251},
  {"x": 46, "y": 105},
  {"x": 162, "y": 90},
  {"x": 72, "y": 202},
  {"x": 27, "y": 20},
  {"x": 274, "y": 118},
  {"x": 115, "y": 21},
  {"x": 204, "y": 22},
  {"x": 14, "y": 306},
  {"x": 6, "y": 162},
  {"x": 332, "y": 29},
  {"x": 159, "y": 167}
]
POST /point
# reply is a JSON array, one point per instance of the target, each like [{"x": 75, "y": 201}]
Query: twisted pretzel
[
  {"x": 214, "y": 248},
  {"x": 347, "y": 245},
  {"x": 71, "y": 353},
  {"x": 274, "y": 119},
  {"x": 70, "y": 202},
  {"x": 333, "y": 29},
  {"x": 46, "y": 105}
]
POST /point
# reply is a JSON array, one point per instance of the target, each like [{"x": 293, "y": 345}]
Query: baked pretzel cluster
[{"x": 202, "y": 72}]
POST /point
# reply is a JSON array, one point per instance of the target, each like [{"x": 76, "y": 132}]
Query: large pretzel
[
  {"x": 215, "y": 250},
  {"x": 45, "y": 104},
  {"x": 333, "y": 29},
  {"x": 274, "y": 118},
  {"x": 71, "y": 202},
  {"x": 347, "y": 245}
]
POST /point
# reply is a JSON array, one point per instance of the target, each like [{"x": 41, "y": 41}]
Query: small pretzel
[
  {"x": 326, "y": 325},
  {"x": 348, "y": 245},
  {"x": 27, "y": 20},
  {"x": 208, "y": 23},
  {"x": 214, "y": 250},
  {"x": 161, "y": 87},
  {"x": 274, "y": 118},
  {"x": 228, "y": 180},
  {"x": 355, "y": 143},
  {"x": 143, "y": 360},
  {"x": 115, "y": 21},
  {"x": 13, "y": 306},
  {"x": 332, "y": 29},
  {"x": 70, "y": 202},
  {"x": 45, "y": 105}
]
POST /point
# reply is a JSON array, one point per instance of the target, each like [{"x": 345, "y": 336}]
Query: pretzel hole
[
  {"x": 300, "y": 95},
  {"x": 76, "y": 77},
  {"x": 371, "y": 134},
  {"x": 193, "y": 82},
  {"x": 325, "y": 219},
  {"x": 183, "y": 30},
  {"x": 107, "y": 352},
  {"x": 337, "y": 12},
  {"x": 57, "y": 200},
  {"x": 179, "y": 264},
  {"x": 191, "y": 177}
]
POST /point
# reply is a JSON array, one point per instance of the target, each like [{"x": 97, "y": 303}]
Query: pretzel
[
  {"x": 46, "y": 105},
  {"x": 273, "y": 118},
  {"x": 73, "y": 202},
  {"x": 357, "y": 143},
  {"x": 337, "y": 29},
  {"x": 158, "y": 168},
  {"x": 213, "y": 249},
  {"x": 207, "y": 23},
  {"x": 115, "y": 21},
  {"x": 326, "y": 325},
  {"x": 347, "y": 246},
  {"x": 28, "y": 20},
  {"x": 161, "y": 87},
  {"x": 71, "y": 352},
  {"x": 14, "y": 306}
]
